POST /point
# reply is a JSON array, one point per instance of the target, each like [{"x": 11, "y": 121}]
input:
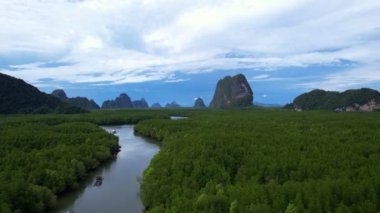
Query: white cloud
[
  {"x": 120, "y": 41},
  {"x": 176, "y": 80},
  {"x": 260, "y": 77},
  {"x": 91, "y": 42},
  {"x": 353, "y": 78}
]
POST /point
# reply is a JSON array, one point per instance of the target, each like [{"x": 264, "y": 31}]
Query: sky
[{"x": 177, "y": 50}]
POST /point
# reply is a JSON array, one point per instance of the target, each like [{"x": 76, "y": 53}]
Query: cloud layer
[{"x": 116, "y": 41}]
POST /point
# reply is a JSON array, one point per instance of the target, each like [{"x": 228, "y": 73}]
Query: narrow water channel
[{"x": 119, "y": 191}]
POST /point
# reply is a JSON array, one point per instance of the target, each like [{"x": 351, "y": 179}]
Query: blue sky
[{"x": 176, "y": 50}]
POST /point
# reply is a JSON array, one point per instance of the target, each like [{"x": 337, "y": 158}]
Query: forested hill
[
  {"x": 81, "y": 102},
  {"x": 350, "y": 100},
  {"x": 16, "y": 96}
]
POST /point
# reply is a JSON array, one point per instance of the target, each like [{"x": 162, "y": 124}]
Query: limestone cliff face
[
  {"x": 199, "y": 103},
  {"x": 156, "y": 105},
  {"x": 59, "y": 93},
  {"x": 123, "y": 101},
  {"x": 232, "y": 92},
  {"x": 172, "y": 105},
  {"x": 140, "y": 103},
  {"x": 81, "y": 102}
]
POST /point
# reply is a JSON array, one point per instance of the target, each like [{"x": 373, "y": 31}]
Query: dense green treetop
[
  {"x": 264, "y": 161},
  {"x": 39, "y": 161},
  {"x": 42, "y": 156}
]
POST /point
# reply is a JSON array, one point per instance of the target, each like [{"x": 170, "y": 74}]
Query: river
[{"x": 119, "y": 191}]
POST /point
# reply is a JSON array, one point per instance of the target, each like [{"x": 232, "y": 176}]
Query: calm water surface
[
  {"x": 174, "y": 117},
  {"x": 119, "y": 191}
]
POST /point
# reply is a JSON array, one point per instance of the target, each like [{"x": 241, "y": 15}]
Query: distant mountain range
[
  {"x": 124, "y": 101},
  {"x": 156, "y": 105},
  {"x": 17, "y": 96},
  {"x": 172, "y": 105},
  {"x": 81, "y": 102},
  {"x": 140, "y": 103}
]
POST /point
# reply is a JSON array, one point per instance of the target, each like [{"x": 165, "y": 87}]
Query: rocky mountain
[
  {"x": 140, "y": 103},
  {"x": 84, "y": 103},
  {"x": 81, "y": 102},
  {"x": 172, "y": 105},
  {"x": 156, "y": 105},
  {"x": 123, "y": 101},
  {"x": 199, "y": 103},
  {"x": 59, "y": 93},
  {"x": 16, "y": 96},
  {"x": 232, "y": 92},
  {"x": 364, "y": 99}
]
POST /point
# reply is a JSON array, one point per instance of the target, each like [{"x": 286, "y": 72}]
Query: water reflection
[{"x": 174, "y": 117}]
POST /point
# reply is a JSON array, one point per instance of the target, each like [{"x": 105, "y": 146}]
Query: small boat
[
  {"x": 113, "y": 131},
  {"x": 98, "y": 181}
]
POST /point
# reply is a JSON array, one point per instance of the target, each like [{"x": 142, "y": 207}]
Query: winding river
[{"x": 119, "y": 191}]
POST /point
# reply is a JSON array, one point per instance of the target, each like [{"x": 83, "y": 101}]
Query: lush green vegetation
[
  {"x": 218, "y": 161},
  {"x": 100, "y": 117},
  {"x": 42, "y": 156},
  {"x": 330, "y": 100},
  {"x": 39, "y": 161},
  {"x": 264, "y": 161}
]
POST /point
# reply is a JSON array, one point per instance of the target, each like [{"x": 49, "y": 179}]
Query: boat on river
[{"x": 98, "y": 181}]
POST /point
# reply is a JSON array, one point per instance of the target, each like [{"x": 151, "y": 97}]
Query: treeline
[
  {"x": 264, "y": 161},
  {"x": 100, "y": 117}
]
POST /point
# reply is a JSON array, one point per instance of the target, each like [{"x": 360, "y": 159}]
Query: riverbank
[
  {"x": 121, "y": 185},
  {"x": 43, "y": 156},
  {"x": 40, "y": 161}
]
